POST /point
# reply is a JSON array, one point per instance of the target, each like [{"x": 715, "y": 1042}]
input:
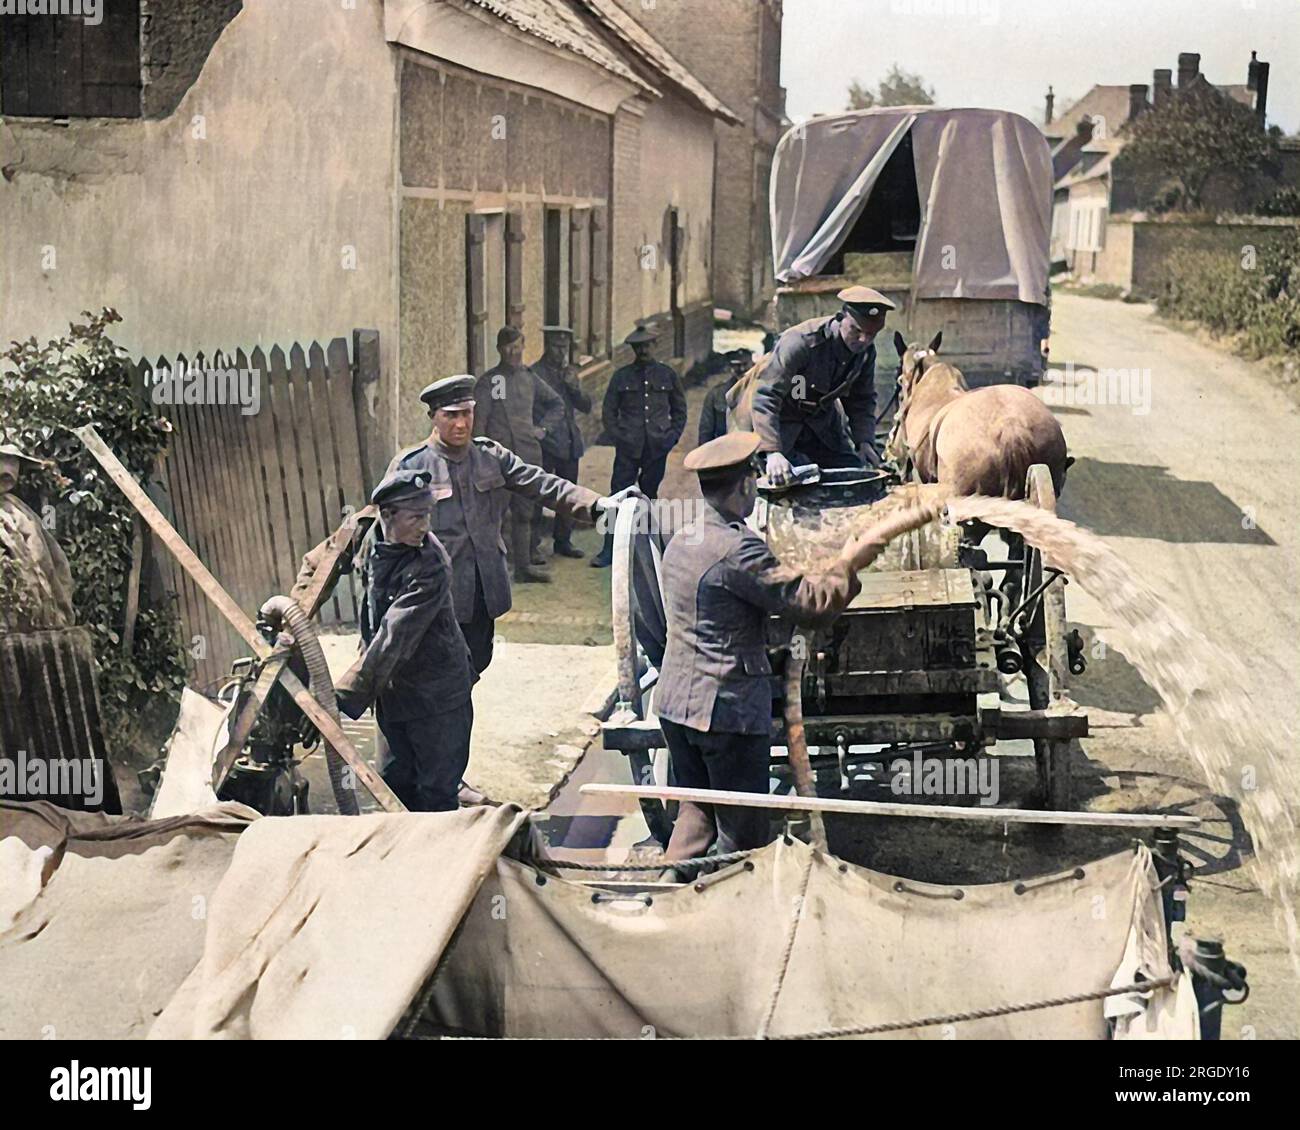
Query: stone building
[
  {"x": 236, "y": 174},
  {"x": 734, "y": 47}
]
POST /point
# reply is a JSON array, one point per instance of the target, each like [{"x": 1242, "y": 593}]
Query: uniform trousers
[
  {"x": 563, "y": 528},
  {"x": 423, "y": 759},
  {"x": 703, "y": 760},
  {"x": 479, "y": 629}
]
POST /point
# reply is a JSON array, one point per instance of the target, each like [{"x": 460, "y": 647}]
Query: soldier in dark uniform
[
  {"x": 517, "y": 410},
  {"x": 562, "y": 445},
  {"x": 816, "y": 400},
  {"x": 713, "y": 414},
  {"x": 414, "y": 665},
  {"x": 714, "y": 698},
  {"x": 644, "y": 414},
  {"x": 473, "y": 482}
]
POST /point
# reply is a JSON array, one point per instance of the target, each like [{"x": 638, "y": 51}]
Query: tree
[
  {"x": 1192, "y": 134},
  {"x": 897, "y": 88}
]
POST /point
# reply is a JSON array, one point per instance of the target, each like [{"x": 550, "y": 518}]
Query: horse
[{"x": 973, "y": 441}]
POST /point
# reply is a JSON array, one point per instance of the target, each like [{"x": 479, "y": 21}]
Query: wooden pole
[
  {"x": 796, "y": 747},
  {"x": 881, "y": 808},
  {"x": 330, "y": 730}
]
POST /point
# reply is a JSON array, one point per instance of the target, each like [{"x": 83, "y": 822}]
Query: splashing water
[{"x": 1204, "y": 691}]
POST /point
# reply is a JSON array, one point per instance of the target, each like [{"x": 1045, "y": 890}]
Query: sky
[{"x": 1003, "y": 54}]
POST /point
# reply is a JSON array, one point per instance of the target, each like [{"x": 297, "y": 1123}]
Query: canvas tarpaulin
[
  {"x": 101, "y": 917},
  {"x": 869, "y": 948},
  {"x": 327, "y": 927},
  {"x": 984, "y": 182}
]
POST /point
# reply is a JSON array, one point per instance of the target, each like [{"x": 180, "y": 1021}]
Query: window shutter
[
  {"x": 515, "y": 268},
  {"x": 476, "y": 291},
  {"x": 597, "y": 327},
  {"x": 579, "y": 219}
]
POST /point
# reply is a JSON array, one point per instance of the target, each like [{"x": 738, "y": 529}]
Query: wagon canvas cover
[{"x": 984, "y": 178}]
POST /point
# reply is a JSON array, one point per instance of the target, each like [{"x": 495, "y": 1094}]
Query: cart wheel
[{"x": 1046, "y": 653}]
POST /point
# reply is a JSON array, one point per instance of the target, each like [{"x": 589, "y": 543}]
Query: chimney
[
  {"x": 1252, "y": 72},
  {"x": 1189, "y": 67},
  {"x": 1261, "y": 93},
  {"x": 1163, "y": 84},
  {"x": 1137, "y": 99},
  {"x": 1083, "y": 131},
  {"x": 1051, "y": 105}
]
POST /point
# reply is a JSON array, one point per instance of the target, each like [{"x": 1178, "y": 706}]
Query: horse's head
[{"x": 914, "y": 360}]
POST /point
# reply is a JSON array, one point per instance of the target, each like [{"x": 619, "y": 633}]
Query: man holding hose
[{"x": 714, "y": 697}]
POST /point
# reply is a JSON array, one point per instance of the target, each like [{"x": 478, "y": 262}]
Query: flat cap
[
  {"x": 404, "y": 486},
  {"x": 450, "y": 390},
  {"x": 640, "y": 334},
  {"x": 558, "y": 330},
  {"x": 864, "y": 300},
  {"x": 731, "y": 450}
]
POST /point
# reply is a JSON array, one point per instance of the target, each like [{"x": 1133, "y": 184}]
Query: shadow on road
[{"x": 1141, "y": 501}]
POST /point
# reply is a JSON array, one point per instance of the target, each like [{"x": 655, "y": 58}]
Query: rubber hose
[{"x": 287, "y": 611}]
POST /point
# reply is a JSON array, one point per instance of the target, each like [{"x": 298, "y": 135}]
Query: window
[
  {"x": 554, "y": 264},
  {"x": 60, "y": 66}
]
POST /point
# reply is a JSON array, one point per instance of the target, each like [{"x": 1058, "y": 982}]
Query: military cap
[
  {"x": 404, "y": 486},
  {"x": 450, "y": 390},
  {"x": 640, "y": 334},
  {"x": 862, "y": 301},
  {"x": 740, "y": 357},
  {"x": 722, "y": 455},
  {"x": 557, "y": 330}
]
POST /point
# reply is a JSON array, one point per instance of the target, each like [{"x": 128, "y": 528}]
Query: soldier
[
  {"x": 562, "y": 445},
  {"x": 713, "y": 414},
  {"x": 517, "y": 410},
  {"x": 473, "y": 483},
  {"x": 644, "y": 414},
  {"x": 414, "y": 664},
  {"x": 816, "y": 400},
  {"x": 714, "y": 698}
]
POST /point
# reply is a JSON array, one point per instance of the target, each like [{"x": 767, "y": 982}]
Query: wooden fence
[{"x": 252, "y": 492}]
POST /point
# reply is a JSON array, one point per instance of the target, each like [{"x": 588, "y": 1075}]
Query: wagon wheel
[
  {"x": 1044, "y": 649},
  {"x": 628, "y": 654}
]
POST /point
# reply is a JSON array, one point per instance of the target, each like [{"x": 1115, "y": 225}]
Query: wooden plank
[
  {"x": 365, "y": 394},
  {"x": 264, "y": 454},
  {"x": 42, "y": 80},
  {"x": 252, "y": 498},
  {"x": 347, "y": 452},
  {"x": 13, "y": 68},
  {"x": 67, "y": 66},
  {"x": 883, "y": 808},
  {"x": 287, "y": 455},
  {"x": 222, "y": 501},
  {"x": 330, "y": 730},
  {"x": 319, "y": 427}
]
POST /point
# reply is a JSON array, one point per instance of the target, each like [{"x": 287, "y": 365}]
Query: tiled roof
[
  {"x": 1108, "y": 102},
  {"x": 653, "y": 54},
  {"x": 555, "y": 22}
]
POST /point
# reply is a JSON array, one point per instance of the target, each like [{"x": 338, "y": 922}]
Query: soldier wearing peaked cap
[
  {"x": 714, "y": 699},
  {"x": 562, "y": 445},
  {"x": 414, "y": 666},
  {"x": 713, "y": 413},
  {"x": 473, "y": 482},
  {"x": 816, "y": 400},
  {"x": 644, "y": 414}
]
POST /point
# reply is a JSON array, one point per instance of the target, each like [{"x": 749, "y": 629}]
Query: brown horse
[{"x": 976, "y": 441}]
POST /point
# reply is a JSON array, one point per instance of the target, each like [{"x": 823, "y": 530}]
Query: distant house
[
  {"x": 235, "y": 174},
  {"x": 1093, "y": 184}
]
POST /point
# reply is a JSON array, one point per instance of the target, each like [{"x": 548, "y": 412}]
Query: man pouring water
[{"x": 815, "y": 402}]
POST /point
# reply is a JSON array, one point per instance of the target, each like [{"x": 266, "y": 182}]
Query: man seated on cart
[{"x": 815, "y": 402}]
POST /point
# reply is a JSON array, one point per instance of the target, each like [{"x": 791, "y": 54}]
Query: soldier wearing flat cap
[
  {"x": 816, "y": 400},
  {"x": 562, "y": 445},
  {"x": 714, "y": 699},
  {"x": 414, "y": 666},
  {"x": 713, "y": 413},
  {"x": 517, "y": 410},
  {"x": 644, "y": 414},
  {"x": 473, "y": 481}
]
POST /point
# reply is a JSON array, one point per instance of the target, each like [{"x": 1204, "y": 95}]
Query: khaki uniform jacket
[
  {"x": 472, "y": 489},
  {"x": 563, "y": 439},
  {"x": 516, "y": 409},
  {"x": 721, "y": 583},
  {"x": 644, "y": 412},
  {"x": 832, "y": 377}
]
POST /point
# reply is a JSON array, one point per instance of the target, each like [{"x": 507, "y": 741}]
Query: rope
[
  {"x": 983, "y": 1013},
  {"x": 662, "y": 865},
  {"x": 795, "y": 919}
]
